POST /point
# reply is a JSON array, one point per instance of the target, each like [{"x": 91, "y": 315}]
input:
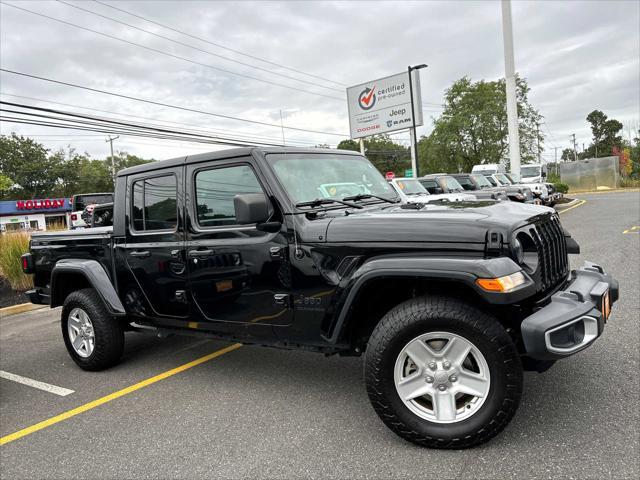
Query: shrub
[
  {"x": 561, "y": 187},
  {"x": 629, "y": 182},
  {"x": 12, "y": 245}
]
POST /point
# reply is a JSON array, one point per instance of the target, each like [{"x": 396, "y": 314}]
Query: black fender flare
[
  {"x": 97, "y": 277},
  {"x": 452, "y": 269}
]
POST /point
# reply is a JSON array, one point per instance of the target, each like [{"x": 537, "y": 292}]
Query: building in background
[{"x": 34, "y": 215}]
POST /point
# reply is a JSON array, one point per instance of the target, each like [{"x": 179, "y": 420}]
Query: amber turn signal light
[{"x": 502, "y": 284}]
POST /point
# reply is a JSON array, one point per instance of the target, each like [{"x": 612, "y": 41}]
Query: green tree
[
  {"x": 383, "y": 152},
  {"x": 472, "y": 128},
  {"x": 5, "y": 186},
  {"x": 606, "y": 135},
  {"x": 30, "y": 167},
  {"x": 568, "y": 155},
  {"x": 349, "y": 145}
]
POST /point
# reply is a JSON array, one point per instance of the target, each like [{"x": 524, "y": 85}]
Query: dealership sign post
[{"x": 384, "y": 105}]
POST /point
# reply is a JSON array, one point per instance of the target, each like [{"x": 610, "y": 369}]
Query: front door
[
  {"x": 154, "y": 247},
  {"x": 237, "y": 274}
]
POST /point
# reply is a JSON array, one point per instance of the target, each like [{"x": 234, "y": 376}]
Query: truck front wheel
[
  {"x": 442, "y": 373},
  {"x": 94, "y": 339}
]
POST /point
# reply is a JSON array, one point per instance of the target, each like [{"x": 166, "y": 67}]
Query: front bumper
[{"x": 574, "y": 318}]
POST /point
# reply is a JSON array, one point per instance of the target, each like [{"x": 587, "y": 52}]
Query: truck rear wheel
[
  {"x": 442, "y": 373},
  {"x": 94, "y": 339}
]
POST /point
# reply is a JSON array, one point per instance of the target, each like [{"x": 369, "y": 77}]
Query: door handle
[
  {"x": 140, "y": 253},
  {"x": 200, "y": 253}
]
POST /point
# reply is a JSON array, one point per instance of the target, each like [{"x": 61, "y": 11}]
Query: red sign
[
  {"x": 390, "y": 175},
  {"x": 45, "y": 204}
]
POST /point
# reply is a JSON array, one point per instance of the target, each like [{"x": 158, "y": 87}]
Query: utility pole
[
  {"x": 282, "y": 127},
  {"x": 510, "y": 82},
  {"x": 538, "y": 140},
  {"x": 575, "y": 148},
  {"x": 555, "y": 156},
  {"x": 110, "y": 139}
]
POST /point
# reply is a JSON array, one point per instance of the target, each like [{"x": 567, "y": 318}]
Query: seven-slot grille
[{"x": 553, "y": 263}]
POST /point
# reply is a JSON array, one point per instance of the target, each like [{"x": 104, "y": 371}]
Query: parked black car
[
  {"x": 309, "y": 249},
  {"x": 480, "y": 186}
]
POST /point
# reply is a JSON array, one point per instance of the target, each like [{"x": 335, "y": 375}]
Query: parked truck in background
[{"x": 79, "y": 208}]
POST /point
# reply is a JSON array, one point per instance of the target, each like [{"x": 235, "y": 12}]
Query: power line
[
  {"x": 219, "y": 45},
  {"x": 152, "y": 102},
  {"x": 199, "y": 49},
  {"x": 102, "y": 123},
  {"x": 194, "y": 127},
  {"x": 269, "y": 82}
]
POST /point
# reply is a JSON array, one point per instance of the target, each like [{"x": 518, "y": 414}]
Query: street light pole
[
  {"x": 510, "y": 85},
  {"x": 414, "y": 133}
]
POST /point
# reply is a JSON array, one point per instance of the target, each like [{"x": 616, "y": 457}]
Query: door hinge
[{"x": 283, "y": 299}]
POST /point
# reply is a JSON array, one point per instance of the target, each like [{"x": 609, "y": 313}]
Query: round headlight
[
  {"x": 529, "y": 252},
  {"x": 518, "y": 251}
]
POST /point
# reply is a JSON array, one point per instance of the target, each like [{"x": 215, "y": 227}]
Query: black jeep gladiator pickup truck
[{"x": 311, "y": 249}]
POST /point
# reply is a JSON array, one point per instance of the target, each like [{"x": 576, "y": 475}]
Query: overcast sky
[{"x": 577, "y": 56}]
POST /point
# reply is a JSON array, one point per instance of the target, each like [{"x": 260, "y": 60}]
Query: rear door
[{"x": 154, "y": 247}]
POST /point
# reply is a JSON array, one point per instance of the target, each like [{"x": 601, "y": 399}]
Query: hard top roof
[{"x": 225, "y": 154}]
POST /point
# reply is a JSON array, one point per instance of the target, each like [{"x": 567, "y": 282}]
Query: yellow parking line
[
  {"x": 113, "y": 396},
  {"x": 582, "y": 202},
  {"x": 634, "y": 229}
]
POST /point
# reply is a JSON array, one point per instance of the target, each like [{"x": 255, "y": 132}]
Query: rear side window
[
  {"x": 430, "y": 185},
  {"x": 215, "y": 190},
  {"x": 154, "y": 205}
]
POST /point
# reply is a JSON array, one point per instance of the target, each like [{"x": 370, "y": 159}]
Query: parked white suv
[{"x": 411, "y": 190}]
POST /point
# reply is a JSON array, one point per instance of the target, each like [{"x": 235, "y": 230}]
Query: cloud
[{"x": 577, "y": 56}]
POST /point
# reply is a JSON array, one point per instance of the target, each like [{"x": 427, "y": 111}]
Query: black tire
[
  {"x": 422, "y": 315},
  {"x": 108, "y": 331}
]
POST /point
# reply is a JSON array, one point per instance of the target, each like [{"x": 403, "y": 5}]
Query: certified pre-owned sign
[{"x": 383, "y": 105}]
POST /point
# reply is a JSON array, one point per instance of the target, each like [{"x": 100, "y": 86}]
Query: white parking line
[{"x": 63, "y": 392}]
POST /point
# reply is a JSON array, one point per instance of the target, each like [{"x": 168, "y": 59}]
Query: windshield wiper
[
  {"x": 326, "y": 201},
  {"x": 364, "y": 196}
]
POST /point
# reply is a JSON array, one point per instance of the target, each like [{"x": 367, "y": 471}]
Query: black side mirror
[
  {"x": 544, "y": 174},
  {"x": 252, "y": 208}
]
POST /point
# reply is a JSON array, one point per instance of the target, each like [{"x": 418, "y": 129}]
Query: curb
[
  {"x": 567, "y": 205},
  {"x": 613, "y": 190},
  {"x": 15, "y": 309}
]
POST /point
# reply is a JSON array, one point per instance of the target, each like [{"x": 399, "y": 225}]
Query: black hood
[{"x": 435, "y": 222}]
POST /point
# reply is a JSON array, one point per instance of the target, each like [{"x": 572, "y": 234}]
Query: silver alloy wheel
[
  {"x": 442, "y": 377},
  {"x": 81, "y": 334}
]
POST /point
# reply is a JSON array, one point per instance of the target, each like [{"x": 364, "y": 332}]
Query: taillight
[
  {"x": 27, "y": 263},
  {"x": 74, "y": 217}
]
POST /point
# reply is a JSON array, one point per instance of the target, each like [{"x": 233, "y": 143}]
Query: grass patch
[{"x": 12, "y": 245}]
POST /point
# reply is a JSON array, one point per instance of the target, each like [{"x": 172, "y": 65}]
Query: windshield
[
  {"x": 452, "y": 184},
  {"x": 466, "y": 183},
  {"x": 80, "y": 202},
  {"x": 530, "y": 171},
  {"x": 481, "y": 181},
  {"x": 411, "y": 187},
  {"x": 502, "y": 179},
  {"x": 309, "y": 176}
]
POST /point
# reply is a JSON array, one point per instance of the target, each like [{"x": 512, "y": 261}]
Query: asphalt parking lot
[{"x": 264, "y": 413}]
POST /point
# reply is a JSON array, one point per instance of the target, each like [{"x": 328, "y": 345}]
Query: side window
[
  {"x": 215, "y": 190},
  {"x": 154, "y": 205}
]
